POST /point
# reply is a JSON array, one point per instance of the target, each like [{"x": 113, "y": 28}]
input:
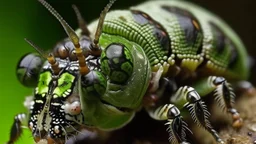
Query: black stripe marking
[
  {"x": 159, "y": 31},
  {"x": 219, "y": 37},
  {"x": 234, "y": 55},
  {"x": 188, "y": 23},
  {"x": 222, "y": 42}
]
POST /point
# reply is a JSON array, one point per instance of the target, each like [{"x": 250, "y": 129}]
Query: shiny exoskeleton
[{"x": 160, "y": 55}]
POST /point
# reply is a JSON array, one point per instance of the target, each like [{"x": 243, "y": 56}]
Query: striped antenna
[
  {"x": 51, "y": 59},
  {"x": 72, "y": 35},
  {"x": 95, "y": 47}
]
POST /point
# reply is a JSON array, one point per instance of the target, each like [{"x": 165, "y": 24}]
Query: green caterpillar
[{"x": 160, "y": 55}]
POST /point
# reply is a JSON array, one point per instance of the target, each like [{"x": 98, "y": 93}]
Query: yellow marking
[
  {"x": 196, "y": 24},
  {"x": 190, "y": 64},
  {"x": 39, "y": 101},
  {"x": 122, "y": 18}
]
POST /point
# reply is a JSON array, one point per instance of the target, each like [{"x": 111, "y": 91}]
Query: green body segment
[
  {"x": 165, "y": 34},
  {"x": 117, "y": 105},
  {"x": 130, "y": 94},
  {"x": 215, "y": 49},
  {"x": 43, "y": 83},
  {"x": 117, "y": 63}
]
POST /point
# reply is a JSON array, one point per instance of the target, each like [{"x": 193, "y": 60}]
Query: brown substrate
[{"x": 246, "y": 105}]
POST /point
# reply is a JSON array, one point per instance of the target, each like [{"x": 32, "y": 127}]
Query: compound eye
[
  {"x": 61, "y": 51},
  {"x": 28, "y": 69}
]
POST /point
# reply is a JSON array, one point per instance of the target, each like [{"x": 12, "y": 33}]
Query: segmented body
[
  {"x": 179, "y": 33},
  {"x": 149, "y": 51}
]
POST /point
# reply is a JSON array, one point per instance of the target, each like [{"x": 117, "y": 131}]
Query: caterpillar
[{"x": 163, "y": 56}]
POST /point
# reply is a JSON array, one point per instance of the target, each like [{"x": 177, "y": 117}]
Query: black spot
[
  {"x": 188, "y": 23},
  {"x": 200, "y": 48},
  {"x": 159, "y": 31},
  {"x": 249, "y": 134},
  {"x": 233, "y": 56},
  {"x": 163, "y": 38},
  {"x": 219, "y": 37},
  {"x": 222, "y": 42}
]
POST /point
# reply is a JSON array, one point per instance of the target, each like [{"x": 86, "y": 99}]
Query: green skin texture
[
  {"x": 122, "y": 23},
  {"x": 143, "y": 52},
  {"x": 120, "y": 26},
  {"x": 63, "y": 87},
  {"x": 46, "y": 77},
  {"x": 43, "y": 82},
  {"x": 127, "y": 95}
]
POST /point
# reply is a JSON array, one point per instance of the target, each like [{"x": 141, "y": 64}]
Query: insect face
[{"x": 55, "y": 110}]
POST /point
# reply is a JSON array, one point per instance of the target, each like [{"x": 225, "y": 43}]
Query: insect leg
[
  {"x": 17, "y": 126},
  {"x": 190, "y": 99},
  {"x": 223, "y": 93},
  {"x": 177, "y": 127}
]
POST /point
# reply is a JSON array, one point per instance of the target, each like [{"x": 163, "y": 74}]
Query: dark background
[{"x": 28, "y": 18}]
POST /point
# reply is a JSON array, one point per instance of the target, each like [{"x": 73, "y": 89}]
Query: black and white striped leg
[
  {"x": 224, "y": 95},
  {"x": 199, "y": 112},
  {"x": 16, "y": 129},
  {"x": 190, "y": 99},
  {"x": 177, "y": 127}
]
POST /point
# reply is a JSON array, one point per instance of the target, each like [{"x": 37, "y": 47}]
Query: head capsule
[
  {"x": 117, "y": 63},
  {"x": 28, "y": 69},
  {"x": 56, "y": 112}
]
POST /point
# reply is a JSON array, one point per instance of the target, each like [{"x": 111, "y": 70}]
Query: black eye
[{"x": 28, "y": 69}]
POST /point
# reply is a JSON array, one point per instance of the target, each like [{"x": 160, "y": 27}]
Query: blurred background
[{"x": 27, "y": 18}]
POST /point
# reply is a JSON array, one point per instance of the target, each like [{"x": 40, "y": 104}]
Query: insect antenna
[
  {"x": 51, "y": 59},
  {"x": 72, "y": 35},
  {"x": 81, "y": 22},
  {"x": 94, "y": 46}
]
